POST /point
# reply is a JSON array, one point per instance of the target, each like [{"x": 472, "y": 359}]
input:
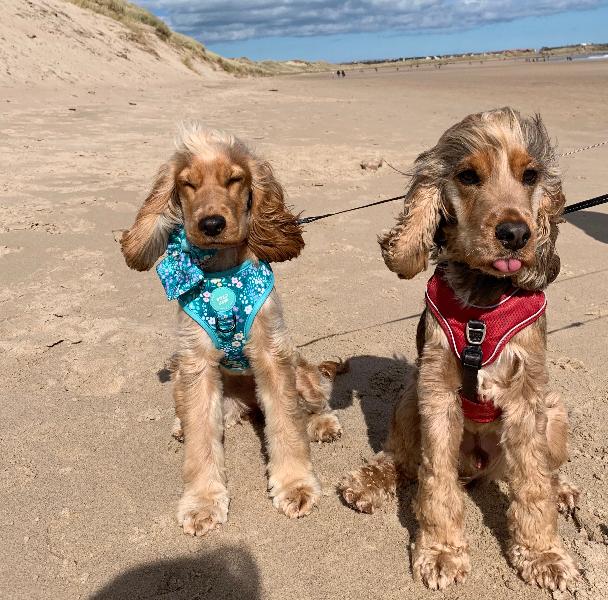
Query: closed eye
[
  {"x": 235, "y": 179},
  {"x": 468, "y": 177},
  {"x": 189, "y": 184}
]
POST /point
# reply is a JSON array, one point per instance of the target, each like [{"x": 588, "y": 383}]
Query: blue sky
[{"x": 360, "y": 29}]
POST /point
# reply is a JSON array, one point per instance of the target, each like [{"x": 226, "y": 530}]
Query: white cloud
[{"x": 216, "y": 21}]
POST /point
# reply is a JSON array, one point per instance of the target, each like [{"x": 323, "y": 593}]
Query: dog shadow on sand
[
  {"x": 378, "y": 381},
  {"x": 593, "y": 223}
]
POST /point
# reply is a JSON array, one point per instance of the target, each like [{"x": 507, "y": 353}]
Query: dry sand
[{"x": 90, "y": 475}]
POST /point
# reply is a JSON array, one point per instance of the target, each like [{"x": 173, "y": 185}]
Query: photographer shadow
[{"x": 228, "y": 573}]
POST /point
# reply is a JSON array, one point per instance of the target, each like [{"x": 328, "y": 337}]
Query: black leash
[
  {"x": 586, "y": 204},
  {"x": 569, "y": 209},
  {"x": 318, "y": 217}
]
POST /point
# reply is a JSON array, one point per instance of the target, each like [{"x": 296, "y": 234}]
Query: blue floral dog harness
[{"x": 223, "y": 303}]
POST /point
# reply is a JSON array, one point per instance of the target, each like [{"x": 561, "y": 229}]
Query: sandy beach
[{"x": 90, "y": 473}]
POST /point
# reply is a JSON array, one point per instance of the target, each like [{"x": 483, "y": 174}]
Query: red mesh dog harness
[{"x": 512, "y": 313}]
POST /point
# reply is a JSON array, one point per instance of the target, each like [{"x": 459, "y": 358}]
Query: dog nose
[
  {"x": 212, "y": 225},
  {"x": 513, "y": 235}
]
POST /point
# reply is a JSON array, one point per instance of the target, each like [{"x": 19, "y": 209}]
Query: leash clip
[{"x": 475, "y": 332}]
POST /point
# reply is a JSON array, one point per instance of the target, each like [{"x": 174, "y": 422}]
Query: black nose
[
  {"x": 513, "y": 235},
  {"x": 212, "y": 225}
]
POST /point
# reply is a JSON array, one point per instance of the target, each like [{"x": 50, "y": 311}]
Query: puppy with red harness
[
  {"x": 478, "y": 334},
  {"x": 485, "y": 203}
]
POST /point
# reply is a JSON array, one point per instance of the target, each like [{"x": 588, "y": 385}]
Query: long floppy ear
[
  {"x": 274, "y": 232},
  {"x": 160, "y": 213},
  {"x": 547, "y": 263},
  {"x": 406, "y": 247},
  {"x": 550, "y": 209}
]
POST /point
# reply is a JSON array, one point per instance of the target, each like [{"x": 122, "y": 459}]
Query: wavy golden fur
[
  {"x": 491, "y": 169},
  {"x": 212, "y": 174},
  {"x": 434, "y": 202}
]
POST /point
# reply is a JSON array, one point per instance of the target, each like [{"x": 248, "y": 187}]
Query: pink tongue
[{"x": 507, "y": 265}]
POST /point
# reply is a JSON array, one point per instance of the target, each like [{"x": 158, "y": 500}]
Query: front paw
[
  {"x": 323, "y": 427},
  {"x": 297, "y": 498},
  {"x": 553, "y": 569},
  {"x": 177, "y": 430},
  {"x": 568, "y": 496},
  {"x": 199, "y": 514},
  {"x": 440, "y": 566}
]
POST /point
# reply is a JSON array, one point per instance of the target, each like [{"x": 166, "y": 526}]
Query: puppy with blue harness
[
  {"x": 223, "y": 303},
  {"x": 219, "y": 213}
]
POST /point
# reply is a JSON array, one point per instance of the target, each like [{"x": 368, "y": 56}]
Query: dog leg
[
  {"x": 314, "y": 386},
  {"x": 367, "y": 488},
  {"x": 292, "y": 483},
  {"x": 536, "y": 550},
  {"x": 198, "y": 397},
  {"x": 441, "y": 554},
  {"x": 566, "y": 493}
]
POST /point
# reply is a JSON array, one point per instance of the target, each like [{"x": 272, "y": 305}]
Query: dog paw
[
  {"x": 360, "y": 494},
  {"x": 370, "y": 486},
  {"x": 568, "y": 496},
  {"x": 296, "y": 499},
  {"x": 323, "y": 427},
  {"x": 199, "y": 514},
  {"x": 440, "y": 566},
  {"x": 176, "y": 431},
  {"x": 553, "y": 569}
]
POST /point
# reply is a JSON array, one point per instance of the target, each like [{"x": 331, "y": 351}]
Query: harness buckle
[
  {"x": 225, "y": 323},
  {"x": 475, "y": 332}
]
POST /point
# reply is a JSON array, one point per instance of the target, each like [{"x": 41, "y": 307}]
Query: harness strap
[
  {"x": 471, "y": 358},
  {"x": 479, "y": 412}
]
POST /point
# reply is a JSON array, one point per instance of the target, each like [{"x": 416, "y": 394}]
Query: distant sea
[{"x": 580, "y": 57}]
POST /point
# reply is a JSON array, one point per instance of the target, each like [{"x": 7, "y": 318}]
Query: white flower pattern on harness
[{"x": 243, "y": 290}]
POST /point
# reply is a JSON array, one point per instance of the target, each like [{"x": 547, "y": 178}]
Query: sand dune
[
  {"x": 52, "y": 41},
  {"x": 90, "y": 475}
]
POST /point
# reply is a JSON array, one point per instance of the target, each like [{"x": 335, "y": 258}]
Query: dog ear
[
  {"x": 160, "y": 213},
  {"x": 550, "y": 209},
  {"x": 406, "y": 247},
  {"x": 274, "y": 232},
  {"x": 547, "y": 262}
]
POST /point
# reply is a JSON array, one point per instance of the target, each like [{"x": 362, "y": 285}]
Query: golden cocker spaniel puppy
[
  {"x": 485, "y": 203},
  {"x": 219, "y": 212}
]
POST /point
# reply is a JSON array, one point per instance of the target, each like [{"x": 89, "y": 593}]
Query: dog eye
[
  {"x": 189, "y": 184},
  {"x": 530, "y": 176},
  {"x": 235, "y": 179},
  {"x": 468, "y": 177}
]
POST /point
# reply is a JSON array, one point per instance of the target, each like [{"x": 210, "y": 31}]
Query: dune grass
[
  {"x": 127, "y": 13},
  {"x": 140, "y": 22}
]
